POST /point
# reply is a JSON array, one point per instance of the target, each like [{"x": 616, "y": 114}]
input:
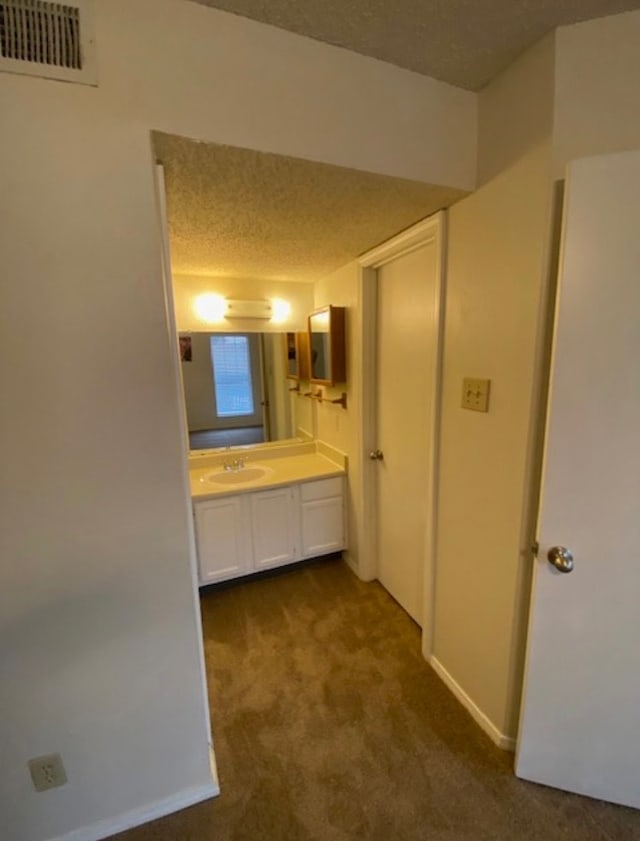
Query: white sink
[{"x": 237, "y": 477}]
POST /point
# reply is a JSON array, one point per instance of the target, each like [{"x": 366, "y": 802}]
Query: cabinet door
[
  {"x": 322, "y": 526},
  {"x": 223, "y": 539},
  {"x": 273, "y": 517}
]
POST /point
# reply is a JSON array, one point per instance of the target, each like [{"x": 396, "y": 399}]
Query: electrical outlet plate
[
  {"x": 47, "y": 771},
  {"x": 475, "y": 394}
]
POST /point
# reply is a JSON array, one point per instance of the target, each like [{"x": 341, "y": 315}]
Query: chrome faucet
[{"x": 236, "y": 464}]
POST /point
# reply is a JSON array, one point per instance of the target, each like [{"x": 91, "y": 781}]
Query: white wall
[
  {"x": 334, "y": 425},
  {"x": 275, "y": 364},
  {"x": 209, "y": 75},
  {"x": 572, "y": 94},
  {"x": 99, "y": 629},
  {"x": 515, "y": 111},
  {"x": 597, "y": 72},
  {"x": 496, "y": 280},
  {"x": 302, "y": 410},
  {"x": 197, "y": 380}
]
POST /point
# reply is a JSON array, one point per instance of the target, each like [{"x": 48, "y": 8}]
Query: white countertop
[{"x": 282, "y": 470}]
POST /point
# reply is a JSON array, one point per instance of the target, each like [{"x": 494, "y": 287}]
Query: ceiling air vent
[{"x": 54, "y": 40}]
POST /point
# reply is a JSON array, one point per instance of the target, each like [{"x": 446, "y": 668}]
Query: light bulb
[
  {"x": 281, "y": 310},
  {"x": 210, "y": 307}
]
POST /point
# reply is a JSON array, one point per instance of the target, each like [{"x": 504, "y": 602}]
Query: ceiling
[
  {"x": 463, "y": 42},
  {"x": 240, "y": 213}
]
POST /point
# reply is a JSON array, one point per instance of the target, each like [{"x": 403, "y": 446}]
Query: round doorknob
[
  {"x": 561, "y": 558},
  {"x": 376, "y": 455}
]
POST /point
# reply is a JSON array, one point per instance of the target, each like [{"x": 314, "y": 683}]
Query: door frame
[
  {"x": 172, "y": 340},
  {"x": 430, "y": 230}
]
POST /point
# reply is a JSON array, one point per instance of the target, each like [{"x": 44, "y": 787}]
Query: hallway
[{"x": 330, "y": 726}]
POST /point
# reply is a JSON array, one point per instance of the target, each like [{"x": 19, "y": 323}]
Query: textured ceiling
[
  {"x": 240, "y": 213},
  {"x": 463, "y": 42}
]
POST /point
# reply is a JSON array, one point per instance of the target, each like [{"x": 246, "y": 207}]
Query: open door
[{"x": 580, "y": 719}]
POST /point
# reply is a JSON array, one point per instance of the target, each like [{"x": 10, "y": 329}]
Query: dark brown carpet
[{"x": 330, "y": 726}]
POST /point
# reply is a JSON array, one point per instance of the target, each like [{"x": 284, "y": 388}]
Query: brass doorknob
[{"x": 561, "y": 558}]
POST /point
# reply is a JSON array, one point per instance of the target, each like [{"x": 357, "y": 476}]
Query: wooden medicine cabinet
[
  {"x": 327, "y": 346},
  {"x": 297, "y": 356}
]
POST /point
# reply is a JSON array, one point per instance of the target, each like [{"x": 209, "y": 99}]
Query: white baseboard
[
  {"x": 350, "y": 561},
  {"x": 214, "y": 770},
  {"x": 150, "y": 812},
  {"x": 502, "y": 740},
  {"x": 347, "y": 558}
]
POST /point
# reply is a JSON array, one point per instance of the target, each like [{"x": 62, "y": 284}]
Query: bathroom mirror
[
  {"x": 327, "y": 346},
  {"x": 235, "y": 389}
]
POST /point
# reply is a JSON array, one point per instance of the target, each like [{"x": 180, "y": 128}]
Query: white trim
[
  {"x": 136, "y": 817},
  {"x": 501, "y": 739},
  {"x": 431, "y": 230},
  {"x": 172, "y": 338},
  {"x": 347, "y": 557},
  {"x": 214, "y": 771},
  {"x": 367, "y": 295},
  {"x": 429, "y": 591},
  {"x": 405, "y": 242}
]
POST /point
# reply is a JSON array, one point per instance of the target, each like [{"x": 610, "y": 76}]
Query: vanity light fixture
[
  {"x": 213, "y": 308},
  {"x": 249, "y": 309}
]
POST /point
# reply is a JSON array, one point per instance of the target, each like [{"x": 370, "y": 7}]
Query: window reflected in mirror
[{"x": 235, "y": 389}]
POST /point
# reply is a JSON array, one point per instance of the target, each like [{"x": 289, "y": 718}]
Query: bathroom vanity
[{"x": 274, "y": 506}]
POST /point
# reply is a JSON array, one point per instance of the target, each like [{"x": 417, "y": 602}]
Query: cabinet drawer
[{"x": 321, "y": 489}]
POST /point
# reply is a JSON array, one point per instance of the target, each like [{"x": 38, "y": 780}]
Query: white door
[
  {"x": 407, "y": 344},
  {"x": 580, "y": 722}
]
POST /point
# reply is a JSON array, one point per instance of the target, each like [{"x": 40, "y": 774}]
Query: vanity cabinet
[
  {"x": 327, "y": 354},
  {"x": 244, "y": 533}
]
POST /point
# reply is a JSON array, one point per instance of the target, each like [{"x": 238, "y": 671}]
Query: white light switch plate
[{"x": 475, "y": 394}]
